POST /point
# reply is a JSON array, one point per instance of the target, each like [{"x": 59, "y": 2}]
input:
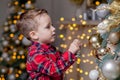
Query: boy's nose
[{"x": 53, "y": 28}]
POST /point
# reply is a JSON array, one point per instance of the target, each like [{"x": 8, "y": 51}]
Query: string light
[
  {"x": 62, "y": 19},
  {"x": 73, "y": 19},
  {"x": 97, "y": 3}
]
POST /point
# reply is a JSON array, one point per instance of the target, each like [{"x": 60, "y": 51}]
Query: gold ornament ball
[
  {"x": 114, "y": 37},
  {"x": 95, "y": 38}
]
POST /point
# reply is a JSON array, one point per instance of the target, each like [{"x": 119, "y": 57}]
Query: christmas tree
[
  {"x": 106, "y": 42},
  {"x": 13, "y": 44}
]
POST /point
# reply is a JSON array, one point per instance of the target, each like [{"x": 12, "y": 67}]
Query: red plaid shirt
[{"x": 45, "y": 63}]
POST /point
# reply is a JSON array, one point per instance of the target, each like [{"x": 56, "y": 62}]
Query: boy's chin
[{"x": 52, "y": 40}]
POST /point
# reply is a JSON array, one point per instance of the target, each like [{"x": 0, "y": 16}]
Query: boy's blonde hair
[{"x": 27, "y": 21}]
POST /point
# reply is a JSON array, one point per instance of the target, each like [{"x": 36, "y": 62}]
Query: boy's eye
[{"x": 48, "y": 27}]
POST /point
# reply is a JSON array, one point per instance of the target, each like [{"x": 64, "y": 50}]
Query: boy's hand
[{"x": 74, "y": 46}]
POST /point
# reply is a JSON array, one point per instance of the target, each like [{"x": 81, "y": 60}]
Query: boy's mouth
[{"x": 54, "y": 35}]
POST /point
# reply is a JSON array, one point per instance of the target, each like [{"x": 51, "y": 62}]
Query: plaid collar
[{"x": 44, "y": 46}]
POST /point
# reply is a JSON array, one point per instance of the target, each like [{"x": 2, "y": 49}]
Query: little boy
[{"x": 43, "y": 61}]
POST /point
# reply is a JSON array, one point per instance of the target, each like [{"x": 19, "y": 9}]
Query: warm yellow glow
[
  {"x": 83, "y": 22},
  {"x": 89, "y": 31},
  {"x": 22, "y": 5},
  {"x": 16, "y": 2},
  {"x": 71, "y": 66},
  {"x": 73, "y": 19},
  {"x": 64, "y": 39},
  {"x": 69, "y": 37},
  {"x": 87, "y": 60},
  {"x": 76, "y": 29},
  {"x": 79, "y": 59},
  {"x": 84, "y": 34},
  {"x": 19, "y": 71},
  {"x": 61, "y": 36},
  {"x": 80, "y": 16},
  {"x": 1, "y": 58},
  {"x": 16, "y": 75},
  {"x": 70, "y": 70},
  {"x": 81, "y": 71},
  {"x": 88, "y": 37},
  {"x": 11, "y": 35},
  {"x": 18, "y": 17},
  {"x": 86, "y": 73},
  {"x": 83, "y": 55},
  {"x": 74, "y": 25},
  {"x": 97, "y": 3},
  {"x": 20, "y": 37},
  {"x": 67, "y": 72},
  {"x": 78, "y": 62},
  {"x": 23, "y": 57},
  {"x": 13, "y": 57},
  {"x": 14, "y": 53},
  {"x": 62, "y": 19},
  {"x": 73, "y": 33},
  {"x": 65, "y": 46},
  {"x": 84, "y": 61},
  {"x": 71, "y": 79},
  {"x": 61, "y": 27},
  {"x": 62, "y": 45},
  {"x": 81, "y": 37},
  {"x": 22, "y": 65},
  {"x": 85, "y": 45},
  {"x": 10, "y": 22},
  {"x": 29, "y": 2},
  {"x": 78, "y": 69},
  {"x": 78, "y": 36},
  {"x": 18, "y": 57},
  {"x": 81, "y": 78},
  {"x": 11, "y": 47},
  {"x": 71, "y": 28},
  {"x": 91, "y": 62},
  {"x": 22, "y": 10},
  {"x": 3, "y": 78},
  {"x": 15, "y": 21}
]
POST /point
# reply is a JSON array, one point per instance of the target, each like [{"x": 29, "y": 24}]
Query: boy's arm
[{"x": 51, "y": 68}]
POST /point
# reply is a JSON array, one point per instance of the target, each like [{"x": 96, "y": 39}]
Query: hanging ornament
[
  {"x": 17, "y": 42},
  {"x": 6, "y": 28},
  {"x": 111, "y": 47},
  {"x": 11, "y": 76},
  {"x": 5, "y": 43},
  {"x": 111, "y": 70},
  {"x": 4, "y": 55},
  {"x": 99, "y": 53},
  {"x": 3, "y": 69},
  {"x": 21, "y": 52},
  {"x": 101, "y": 10},
  {"x": 95, "y": 40},
  {"x": 28, "y": 5},
  {"x": 12, "y": 28},
  {"x": 114, "y": 37},
  {"x": 94, "y": 75},
  {"x": 26, "y": 42},
  {"x": 106, "y": 26}
]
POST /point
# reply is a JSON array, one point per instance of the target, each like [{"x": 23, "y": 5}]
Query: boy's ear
[{"x": 33, "y": 35}]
